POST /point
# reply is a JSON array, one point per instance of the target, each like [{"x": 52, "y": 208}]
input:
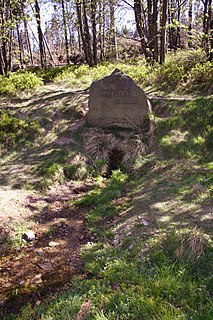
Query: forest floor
[
  {"x": 170, "y": 195},
  {"x": 60, "y": 231}
]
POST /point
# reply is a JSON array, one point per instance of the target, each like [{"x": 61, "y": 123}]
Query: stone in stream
[{"x": 116, "y": 100}]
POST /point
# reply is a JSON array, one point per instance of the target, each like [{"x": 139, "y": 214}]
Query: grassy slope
[
  {"x": 158, "y": 263},
  {"x": 152, "y": 254},
  {"x": 57, "y": 111}
]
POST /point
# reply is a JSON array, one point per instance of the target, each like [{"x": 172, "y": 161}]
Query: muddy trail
[{"x": 39, "y": 269}]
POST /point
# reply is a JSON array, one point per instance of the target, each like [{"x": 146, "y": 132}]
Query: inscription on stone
[
  {"x": 109, "y": 93},
  {"x": 117, "y": 100},
  {"x": 117, "y": 97}
]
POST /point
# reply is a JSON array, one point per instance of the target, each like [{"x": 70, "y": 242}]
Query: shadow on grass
[
  {"x": 59, "y": 116},
  {"x": 168, "y": 199},
  {"x": 164, "y": 203}
]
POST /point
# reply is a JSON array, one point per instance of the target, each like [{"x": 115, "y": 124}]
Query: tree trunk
[
  {"x": 172, "y": 28},
  {"x": 100, "y": 22},
  {"x": 205, "y": 26},
  {"x": 163, "y": 31},
  {"x": 20, "y": 46},
  {"x": 94, "y": 31},
  {"x": 113, "y": 44},
  {"x": 87, "y": 35},
  {"x": 65, "y": 31},
  {"x": 40, "y": 35},
  {"x": 190, "y": 24},
  {"x": 178, "y": 43},
  {"x": 138, "y": 20},
  {"x": 211, "y": 28},
  {"x": 152, "y": 6},
  {"x": 28, "y": 41},
  {"x": 2, "y": 66},
  {"x": 150, "y": 30},
  {"x": 103, "y": 32},
  {"x": 79, "y": 39},
  {"x": 84, "y": 30},
  {"x": 4, "y": 44},
  {"x": 155, "y": 30}
]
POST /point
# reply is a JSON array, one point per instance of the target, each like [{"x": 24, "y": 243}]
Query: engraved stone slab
[{"x": 116, "y": 100}]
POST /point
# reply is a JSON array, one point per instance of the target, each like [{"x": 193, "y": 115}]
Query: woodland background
[{"x": 50, "y": 33}]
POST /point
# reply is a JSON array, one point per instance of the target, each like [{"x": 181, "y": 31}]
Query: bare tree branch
[{"x": 129, "y": 4}]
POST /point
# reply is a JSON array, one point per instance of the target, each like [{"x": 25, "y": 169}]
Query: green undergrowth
[
  {"x": 186, "y": 71},
  {"x": 183, "y": 71},
  {"x": 187, "y": 132},
  {"x": 20, "y": 81},
  {"x": 157, "y": 270},
  {"x": 15, "y": 130},
  {"x": 150, "y": 250},
  {"x": 100, "y": 202}
]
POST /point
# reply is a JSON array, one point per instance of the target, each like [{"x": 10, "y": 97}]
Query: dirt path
[{"x": 36, "y": 270}]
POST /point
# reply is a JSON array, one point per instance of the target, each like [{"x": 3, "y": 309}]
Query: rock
[
  {"x": 47, "y": 266},
  {"x": 144, "y": 222},
  {"x": 116, "y": 100},
  {"x": 89, "y": 243},
  {"x": 116, "y": 240},
  {"x": 37, "y": 279},
  {"x": 29, "y": 236},
  {"x": 54, "y": 244},
  {"x": 40, "y": 252}
]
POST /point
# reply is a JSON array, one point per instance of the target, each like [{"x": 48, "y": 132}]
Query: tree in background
[{"x": 81, "y": 30}]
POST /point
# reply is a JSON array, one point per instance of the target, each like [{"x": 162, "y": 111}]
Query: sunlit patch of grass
[
  {"x": 15, "y": 131},
  {"x": 187, "y": 132},
  {"x": 100, "y": 199},
  {"x": 175, "y": 137}
]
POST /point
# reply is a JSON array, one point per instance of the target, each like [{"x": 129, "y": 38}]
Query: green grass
[
  {"x": 100, "y": 202},
  {"x": 150, "y": 255},
  {"x": 15, "y": 131},
  {"x": 20, "y": 81},
  {"x": 121, "y": 284},
  {"x": 184, "y": 71},
  {"x": 13, "y": 238},
  {"x": 159, "y": 271},
  {"x": 188, "y": 132}
]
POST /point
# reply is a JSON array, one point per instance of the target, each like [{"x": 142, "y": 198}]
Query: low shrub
[
  {"x": 75, "y": 171},
  {"x": 177, "y": 69},
  {"x": 201, "y": 75},
  {"x": 19, "y": 82},
  {"x": 25, "y": 81},
  {"x": 14, "y": 130}
]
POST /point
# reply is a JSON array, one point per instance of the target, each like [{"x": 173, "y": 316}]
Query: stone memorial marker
[{"x": 116, "y": 100}]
